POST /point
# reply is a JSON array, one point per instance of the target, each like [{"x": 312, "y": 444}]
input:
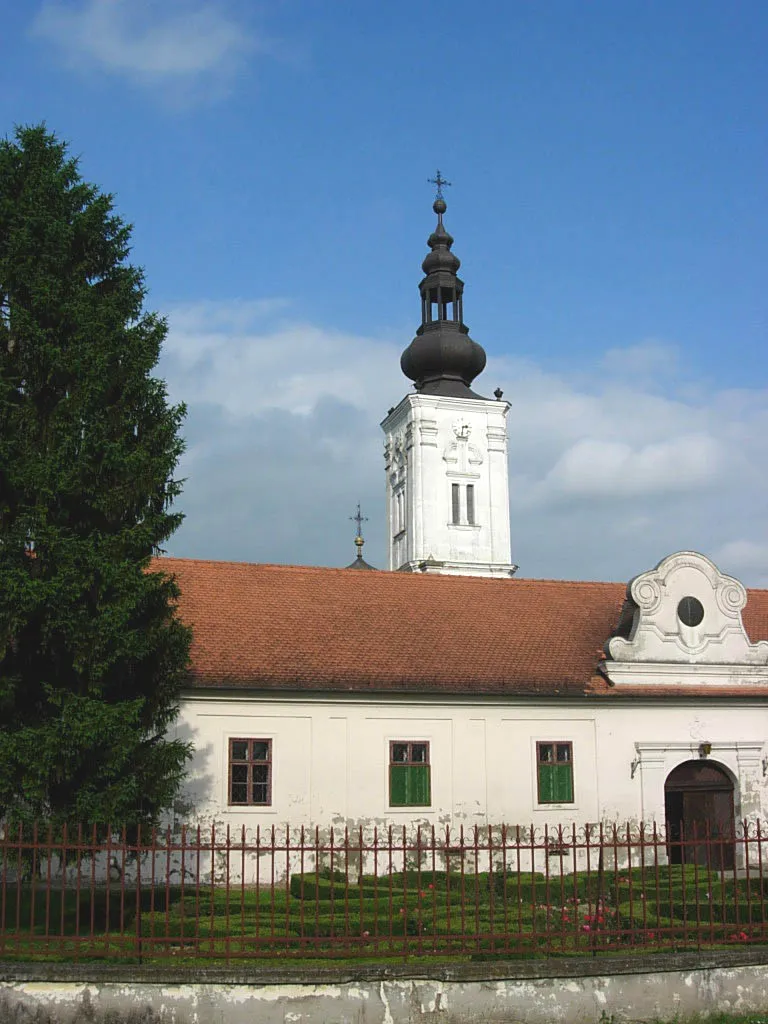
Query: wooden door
[
  {"x": 699, "y": 811},
  {"x": 708, "y": 823}
]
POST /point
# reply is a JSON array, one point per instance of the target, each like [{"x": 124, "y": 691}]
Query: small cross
[
  {"x": 359, "y": 519},
  {"x": 439, "y": 182}
]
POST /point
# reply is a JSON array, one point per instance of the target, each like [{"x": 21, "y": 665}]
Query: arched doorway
[{"x": 698, "y": 801}]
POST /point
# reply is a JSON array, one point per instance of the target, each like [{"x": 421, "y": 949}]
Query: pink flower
[
  {"x": 366, "y": 935},
  {"x": 585, "y": 928},
  {"x": 431, "y": 886}
]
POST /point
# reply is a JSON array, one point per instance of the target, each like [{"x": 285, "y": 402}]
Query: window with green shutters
[
  {"x": 409, "y": 780},
  {"x": 555, "y": 772}
]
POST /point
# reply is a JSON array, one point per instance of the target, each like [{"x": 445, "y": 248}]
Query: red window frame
[
  {"x": 409, "y": 744},
  {"x": 250, "y": 762}
]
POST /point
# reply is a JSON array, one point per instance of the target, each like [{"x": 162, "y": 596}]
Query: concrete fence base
[{"x": 642, "y": 988}]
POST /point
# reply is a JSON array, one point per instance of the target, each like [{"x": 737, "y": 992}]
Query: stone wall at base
[{"x": 642, "y": 988}]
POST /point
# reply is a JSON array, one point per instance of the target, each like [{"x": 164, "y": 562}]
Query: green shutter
[
  {"x": 555, "y": 783},
  {"x": 409, "y": 785},
  {"x": 563, "y": 783},
  {"x": 546, "y": 784},
  {"x": 418, "y": 785},
  {"x": 398, "y": 785}
]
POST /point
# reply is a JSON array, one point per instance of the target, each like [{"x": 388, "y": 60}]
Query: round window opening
[{"x": 690, "y": 611}]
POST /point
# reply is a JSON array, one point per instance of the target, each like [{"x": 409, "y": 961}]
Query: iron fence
[{"x": 225, "y": 894}]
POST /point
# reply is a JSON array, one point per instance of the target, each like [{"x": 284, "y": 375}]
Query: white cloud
[
  {"x": 649, "y": 359},
  {"x": 607, "y": 475},
  {"x": 604, "y": 468},
  {"x": 235, "y": 357},
  {"x": 199, "y": 318},
  {"x": 174, "y": 41}
]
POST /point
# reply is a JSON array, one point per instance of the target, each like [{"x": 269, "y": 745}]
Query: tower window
[
  {"x": 471, "y": 504},
  {"x": 398, "y": 510},
  {"x": 455, "y": 504}
]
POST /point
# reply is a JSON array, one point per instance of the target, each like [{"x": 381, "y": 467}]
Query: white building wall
[
  {"x": 330, "y": 757},
  {"x": 432, "y": 443}
]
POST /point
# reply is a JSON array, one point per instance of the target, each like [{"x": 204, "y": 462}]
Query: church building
[{"x": 445, "y": 690}]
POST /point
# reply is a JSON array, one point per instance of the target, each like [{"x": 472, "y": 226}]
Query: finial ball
[{"x": 439, "y": 205}]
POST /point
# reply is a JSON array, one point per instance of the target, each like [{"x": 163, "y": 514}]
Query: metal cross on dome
[
  {"x": 440, "y": 183},
  {"x": 359, "y": 519}
]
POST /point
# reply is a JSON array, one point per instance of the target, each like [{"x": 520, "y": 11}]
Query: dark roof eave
[{"x": 397, "y": 687}]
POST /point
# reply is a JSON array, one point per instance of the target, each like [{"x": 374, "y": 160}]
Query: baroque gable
[{"x": 681, "y": 624}]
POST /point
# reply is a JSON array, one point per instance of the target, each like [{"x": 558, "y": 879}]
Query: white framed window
[
  {"x": 463, "y": 505},
  {"x": 250, "y": 772},
  {"x": 470, "y": 504}
]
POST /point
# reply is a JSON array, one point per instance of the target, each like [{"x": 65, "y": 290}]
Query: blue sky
[{"x": 609, "y": 207}]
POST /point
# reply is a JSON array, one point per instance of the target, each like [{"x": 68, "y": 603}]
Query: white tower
[{"x": 446, "y": 447}]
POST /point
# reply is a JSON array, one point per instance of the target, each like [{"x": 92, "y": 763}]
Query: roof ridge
[
  {"x": 559, "y": 582},
  {"x": 252, "y": 565},
  {"x": 296, "y": 567},
  {"x": 517, "y": 581}
]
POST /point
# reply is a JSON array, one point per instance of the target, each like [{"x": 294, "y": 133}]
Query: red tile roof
[{"x": 278, "y": 627}]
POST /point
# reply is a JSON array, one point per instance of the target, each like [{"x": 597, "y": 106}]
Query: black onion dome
[
  {"x": 440, "y": 242},
  {"x": 443, "y": 362},
  {"x": 442, "y": 359}
]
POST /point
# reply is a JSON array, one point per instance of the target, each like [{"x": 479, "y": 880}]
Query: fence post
[
  {"x": 138, "y": 893},
  {"x": 600, "y": 889}
]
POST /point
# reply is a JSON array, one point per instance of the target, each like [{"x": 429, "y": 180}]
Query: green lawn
[{"x": 403, "y": 914}]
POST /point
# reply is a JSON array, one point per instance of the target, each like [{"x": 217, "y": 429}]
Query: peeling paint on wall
[{"x": 466, "y": 993}]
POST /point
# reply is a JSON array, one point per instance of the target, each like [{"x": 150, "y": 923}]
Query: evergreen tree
[{"x": 92, "y": 655}]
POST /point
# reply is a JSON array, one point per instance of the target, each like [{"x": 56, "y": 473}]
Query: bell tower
[{"x": 446, "y": 446}]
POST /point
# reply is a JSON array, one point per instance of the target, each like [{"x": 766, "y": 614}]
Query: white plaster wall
[
  {"x": 330, "y": 757},
  {"x": 560, "y": 992},
  {"x": 659, "y": 737},
  {"x": 431, "y": 443}
]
